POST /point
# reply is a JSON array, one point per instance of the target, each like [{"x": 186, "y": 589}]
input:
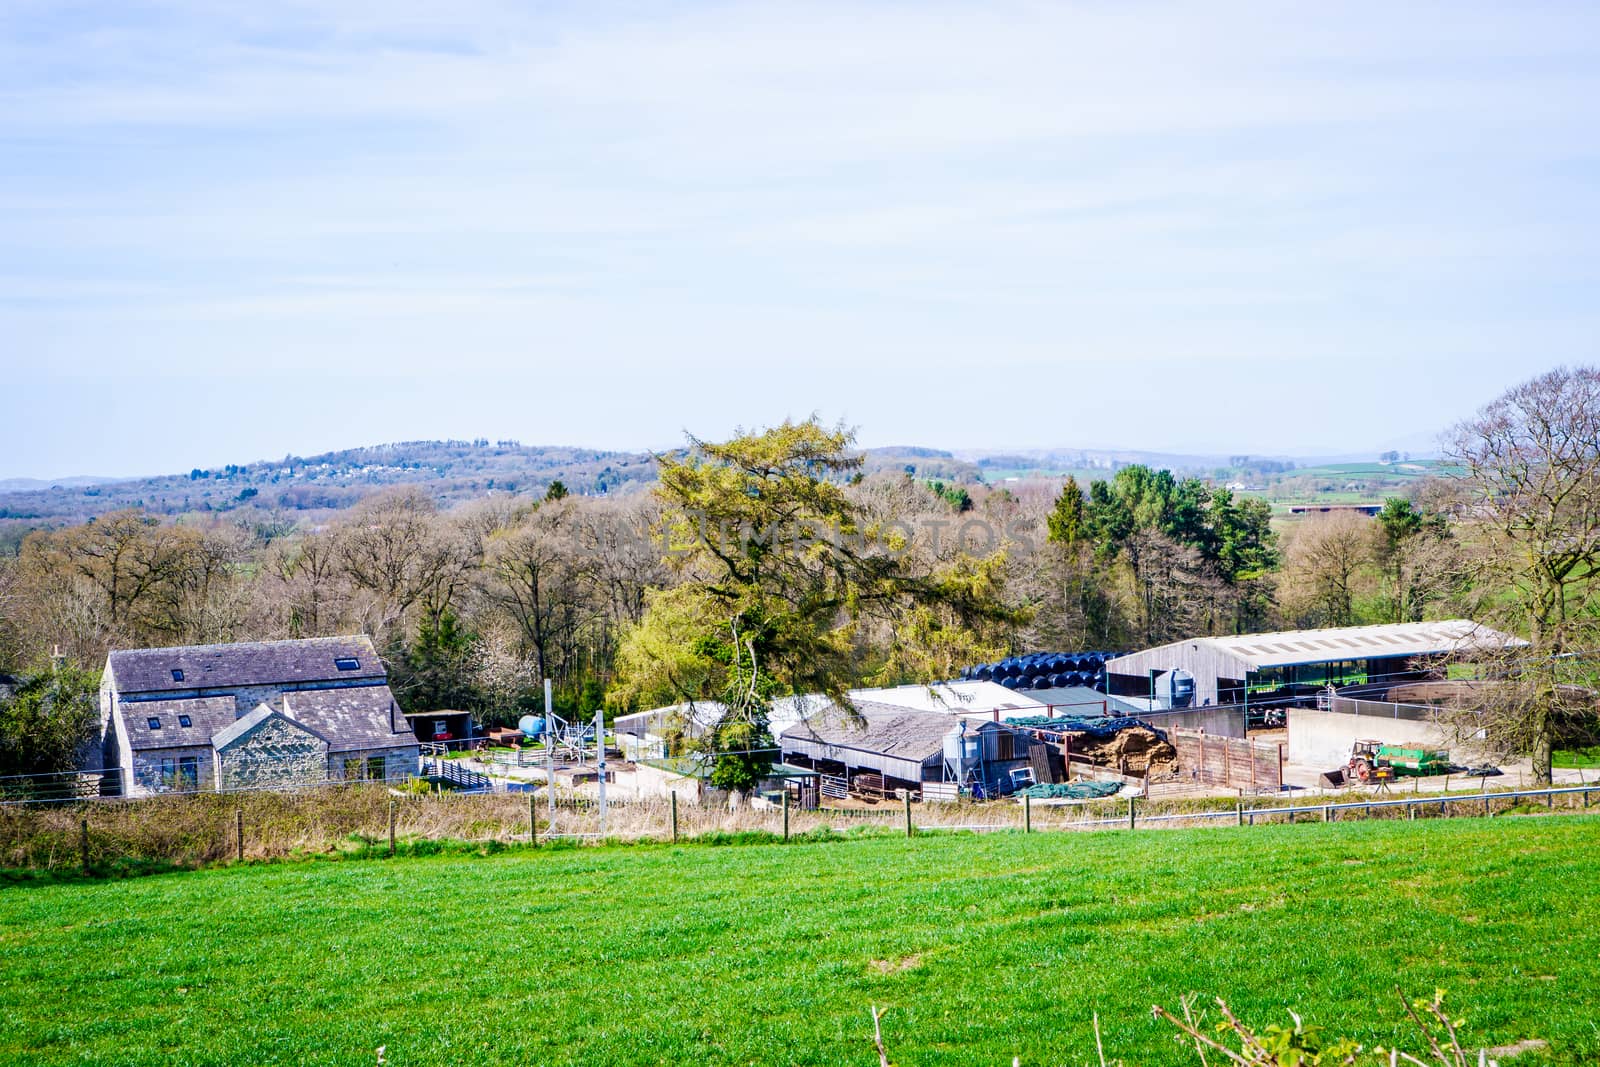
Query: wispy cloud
[{"x": 893, "y": 196}]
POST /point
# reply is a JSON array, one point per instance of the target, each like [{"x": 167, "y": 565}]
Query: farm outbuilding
[
  {"x": 1296, "y": 662},
  {"x": 896, "y": 748}
]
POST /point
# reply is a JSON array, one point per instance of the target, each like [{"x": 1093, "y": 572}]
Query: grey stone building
[{"x": 254, "y": 715}]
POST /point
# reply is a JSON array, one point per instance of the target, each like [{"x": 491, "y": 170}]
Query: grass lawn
[
  {"x": 980, "y": 948},
  {"x": 1576, "y": 757}
]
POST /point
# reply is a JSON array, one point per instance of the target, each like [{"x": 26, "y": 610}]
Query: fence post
[
  {"x": 1411, "y": 810},
  {"x": 1238, "y": 808},
  {"x": 1132, "y": 815},
  {"x": 239, "y": 830},
  {"x": 908, "y": 813},
  {"x": 786, "y": 811},
  {"x": 1027, "y": 814},
  {"x": 674, "y": 794},
  {"x": 391, "y": 826},
  {"x": 1327, "y": 813},
  {"x": 1549, "y": 799},
  {"x": 83, "y": 844},
  {"x": 533, "y": 820}
]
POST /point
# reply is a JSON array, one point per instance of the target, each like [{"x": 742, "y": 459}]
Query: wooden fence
[{"x": 1236, "y": 762}]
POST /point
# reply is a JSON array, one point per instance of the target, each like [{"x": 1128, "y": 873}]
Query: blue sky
[{"x": 234, "y": 231}]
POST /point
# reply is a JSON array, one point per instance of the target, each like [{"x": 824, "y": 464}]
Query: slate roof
[
  {"x": 207, "y": 715},
  {"x": 149, "y": 670},
  {"x": 245, "y": 723},
  {"x": 361, "y": 718}
]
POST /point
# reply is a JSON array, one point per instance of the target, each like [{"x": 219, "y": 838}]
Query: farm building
[
  {"x": 969, "y": 698},
  {"x": 256, "y": 715},
  {"x": 653, "y": 734},
  {"x": 444, "y": 727},
  {"x": 882, "y": 747},
  {"x": 1280, "y": 666}
]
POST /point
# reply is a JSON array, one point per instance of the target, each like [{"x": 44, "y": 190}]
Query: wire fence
[{"x": 195, "y": 829}]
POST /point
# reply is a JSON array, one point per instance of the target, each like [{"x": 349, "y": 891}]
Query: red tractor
[{"x": 1366, "y": 766}]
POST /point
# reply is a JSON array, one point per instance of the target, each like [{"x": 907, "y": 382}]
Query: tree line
[{"x": 773, "y": 563}]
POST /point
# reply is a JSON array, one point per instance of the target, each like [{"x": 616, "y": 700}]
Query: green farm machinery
[{"x": 1374, "y": 761}]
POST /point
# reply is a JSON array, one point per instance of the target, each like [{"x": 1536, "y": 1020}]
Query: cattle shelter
[{"x": 1227, "y": 669}]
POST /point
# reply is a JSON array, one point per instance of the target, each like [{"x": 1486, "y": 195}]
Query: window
[
  {"x": 177, "y": 676},
  {"x": 185, "y": 722},
  {"x": 169, "y": 770},
  {"x": 375, "y": 768},
  {"x": 347, "y": 663},
  {"x": 188, "y": 772},
  {"x": 1003, "y": 742},
  {"x": 352, "y": 770},
  {"x": 154, "y": 723}
]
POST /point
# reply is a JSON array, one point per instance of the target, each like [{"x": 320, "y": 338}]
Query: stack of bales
[{"x": 1045, "y": 670}]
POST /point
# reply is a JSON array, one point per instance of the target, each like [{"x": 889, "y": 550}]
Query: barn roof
[
  {"x": 880, "y": 728},
  {"x": 954, "y": 698},
  {"x": 316, "y": 659},
  {"x": 1287, "y": 648}
]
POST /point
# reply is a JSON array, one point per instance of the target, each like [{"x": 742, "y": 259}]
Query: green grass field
[{"x": 979, "y": 947}]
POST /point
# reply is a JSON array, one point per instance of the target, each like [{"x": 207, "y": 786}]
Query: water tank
[
  {"x": 1182, "y": 689},
  {"x": 531, "y": 725}
]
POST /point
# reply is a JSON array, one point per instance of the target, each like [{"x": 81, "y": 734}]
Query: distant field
[{"x": 980, "y": 948}]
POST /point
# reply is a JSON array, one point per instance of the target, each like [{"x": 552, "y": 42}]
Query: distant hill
[
  {"x": 457, "y": 471},
  {"x": 452, "y": 471}
]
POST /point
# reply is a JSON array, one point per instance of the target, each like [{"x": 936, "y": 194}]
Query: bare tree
[
  {"x": 542, "y": 578},
  {"x": 394, "y": 548},
  {"x": 1530, "y": 473},
  {"x": 305, "y": 583},
  {"x": 1328, "y": 564}
]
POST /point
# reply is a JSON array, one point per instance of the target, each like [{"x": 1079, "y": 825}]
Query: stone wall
[
  {"x": 398, "y": 762},
  {"x": 277, "y": 753}
]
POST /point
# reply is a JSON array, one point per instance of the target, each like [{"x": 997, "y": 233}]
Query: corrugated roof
[
  {"x": 151, "y": 670},
  {"x": 954, "y": 698},
  {"x": 880, "y": 728},
  {"x": 1293, "y": 647}
]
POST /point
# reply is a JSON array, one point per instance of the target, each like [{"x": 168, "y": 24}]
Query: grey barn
[
  {"x": 907, "y": 747},
  {"x": 267, "y": 714}
]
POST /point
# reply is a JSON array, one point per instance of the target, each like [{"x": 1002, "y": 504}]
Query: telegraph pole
[
  {"x": 549, "y": 751},
  {"x": 600, "y": 762}
]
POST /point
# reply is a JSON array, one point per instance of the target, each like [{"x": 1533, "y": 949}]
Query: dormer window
[
  {"x": 155, "y": 723},
  {"x": 347, "y": 663},
  {"x": 177, "y": 676},
  {"x": 185, "y": 722}
]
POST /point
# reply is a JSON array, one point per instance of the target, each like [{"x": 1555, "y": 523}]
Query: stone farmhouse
[{"x": 270, "y": 714}]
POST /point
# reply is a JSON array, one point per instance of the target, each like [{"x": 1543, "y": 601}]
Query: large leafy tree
[
  {"x": 1530, "y": 469},
  {"x": 47, "y": 722},
  {"x": 1182, "y": 542},
  {"x": 787, "y": 581}
]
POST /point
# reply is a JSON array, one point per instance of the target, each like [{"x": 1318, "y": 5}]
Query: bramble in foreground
[{"x": 1300, "y": 1045}]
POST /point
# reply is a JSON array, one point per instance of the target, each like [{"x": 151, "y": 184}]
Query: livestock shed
[
  {"x": 1246, "y": 667},
  {"x": 899, "y": 748},
  {"x": 972, "y": 698}
]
